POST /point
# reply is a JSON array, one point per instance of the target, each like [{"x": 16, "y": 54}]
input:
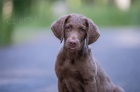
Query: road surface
[{"x": 29, "y": 66}]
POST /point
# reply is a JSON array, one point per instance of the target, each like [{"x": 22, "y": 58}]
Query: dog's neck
[{"x": 77, "y": 54}]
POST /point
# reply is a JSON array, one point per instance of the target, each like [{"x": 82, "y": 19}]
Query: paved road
[{"x": 29, "y": 67}]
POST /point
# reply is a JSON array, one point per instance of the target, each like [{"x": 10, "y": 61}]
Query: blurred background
[{"x": 28, "y": 48}]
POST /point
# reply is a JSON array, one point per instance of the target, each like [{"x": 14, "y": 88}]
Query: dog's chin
[{"x": 72, "y": 50}]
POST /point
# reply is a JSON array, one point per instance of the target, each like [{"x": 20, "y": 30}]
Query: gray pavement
[{"x": 29, "y": 67}]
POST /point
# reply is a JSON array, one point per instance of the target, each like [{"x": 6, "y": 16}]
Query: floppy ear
[
  {"x": 92, "y": 33},
  {"x": 58, "y": 27}
]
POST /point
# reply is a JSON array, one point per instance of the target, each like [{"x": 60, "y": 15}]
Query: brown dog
[{"x": 75, "y": 68}]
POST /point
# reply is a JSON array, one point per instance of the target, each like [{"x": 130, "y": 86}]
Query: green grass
[
  {"x": 42, "y": 17},
  {"x": 110, "y": 15},
  {"x": 102, "y": 15}
]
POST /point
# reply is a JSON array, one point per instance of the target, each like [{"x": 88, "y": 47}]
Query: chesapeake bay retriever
[{"x": 76, "y": 69}]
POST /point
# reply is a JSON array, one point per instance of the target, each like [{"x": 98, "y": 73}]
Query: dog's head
[{"x": 75, "y": 29}]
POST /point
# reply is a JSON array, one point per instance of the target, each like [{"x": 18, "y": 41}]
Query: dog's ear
[
  {"x": 58, "y": 27},
  {"x": 92, "y": 33}
]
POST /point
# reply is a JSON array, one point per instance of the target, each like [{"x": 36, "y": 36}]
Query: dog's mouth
[{"x": 71, "y": 49}]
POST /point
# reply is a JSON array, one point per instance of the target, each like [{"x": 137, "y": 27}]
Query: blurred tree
[
  {"x": 1, "y": 22},
  {"x": 22, "y": 7},
  {"x": 0, "y": 11},
  {"x": 5, "y": 28}
]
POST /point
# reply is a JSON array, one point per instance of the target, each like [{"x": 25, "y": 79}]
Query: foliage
[
  {"x": 110, "y": 15},
  {"x": 41, "y": 13}
]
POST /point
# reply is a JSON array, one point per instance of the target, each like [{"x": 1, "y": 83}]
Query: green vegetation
[
  {"x": 111, "y": 16},
  {"x": 41, "y": 13},
  {"x": 103, "y": 14}
]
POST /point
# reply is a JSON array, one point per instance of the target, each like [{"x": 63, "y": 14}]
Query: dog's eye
[
  {"x": 68, "y": 27},
  {"x": 82, "y": 30}
]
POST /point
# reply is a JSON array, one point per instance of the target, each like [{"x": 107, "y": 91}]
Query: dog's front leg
[
  {"x": 90, "y": 87},
  {"x": 89, "y": 81},
  {"x": 61, "y": 86}
]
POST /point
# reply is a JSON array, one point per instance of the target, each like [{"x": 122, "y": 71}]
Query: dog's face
[{"x": 75, "y": 30}]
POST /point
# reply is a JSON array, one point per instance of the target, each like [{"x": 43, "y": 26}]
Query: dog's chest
[{"x": 69, "y": 69}]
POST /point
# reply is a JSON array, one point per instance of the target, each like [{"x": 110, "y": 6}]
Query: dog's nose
[{"x": 72, "y": 43}]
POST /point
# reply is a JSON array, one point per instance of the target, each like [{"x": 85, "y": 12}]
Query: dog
[{"x": 76, "y": 69}]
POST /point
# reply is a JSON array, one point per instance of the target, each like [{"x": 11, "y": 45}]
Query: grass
[
  {"x": 111, "y": 16},
  {"x": 103, "y": 15},
  {"x": 42, "y": 16}
]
